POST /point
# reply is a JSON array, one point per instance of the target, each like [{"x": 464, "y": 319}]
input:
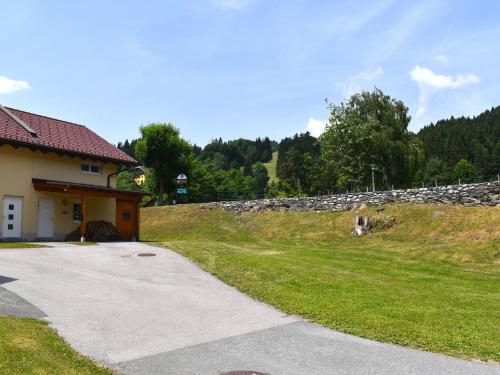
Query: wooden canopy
[{"x": 124, "y": 197}]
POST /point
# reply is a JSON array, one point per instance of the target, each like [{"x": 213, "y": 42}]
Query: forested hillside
[
  {"x": 366, "y": 145},
  {"x": 476, "y": 140},
  {"x": 238, "y": 153}
]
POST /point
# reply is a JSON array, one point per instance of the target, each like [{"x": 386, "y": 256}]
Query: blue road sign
[{"x": 182, "y": 191}]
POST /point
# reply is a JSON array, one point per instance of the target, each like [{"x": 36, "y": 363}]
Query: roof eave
[
  {"x": 67, "y": 184},
  {"x": 82, "y": 155}
]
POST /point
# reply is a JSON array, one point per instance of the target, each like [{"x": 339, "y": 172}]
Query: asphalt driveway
[{"x": 163, "y": 315}]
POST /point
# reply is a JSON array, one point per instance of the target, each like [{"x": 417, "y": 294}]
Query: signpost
[
  {"x": 182, "y": 179},
  {"x": 373, "y": 176},
  {"x": 181, "y": 183}
]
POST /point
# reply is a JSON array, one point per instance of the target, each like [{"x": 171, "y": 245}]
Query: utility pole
[{"x": 373, "y": 176}]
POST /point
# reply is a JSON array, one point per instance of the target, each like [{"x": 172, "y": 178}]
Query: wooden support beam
[
  {"x": 137, "y": 221},
  {"x": 83, "y": 213}
]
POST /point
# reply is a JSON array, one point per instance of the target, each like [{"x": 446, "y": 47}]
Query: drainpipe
[{"x": 110, "y": 175}]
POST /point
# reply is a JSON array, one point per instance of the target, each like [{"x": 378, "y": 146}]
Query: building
[
  {"x": 56, "y": 176},
  {"x": 140, "y": 179}
]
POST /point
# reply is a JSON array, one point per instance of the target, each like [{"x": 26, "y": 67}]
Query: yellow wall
[
  {"x": 19, "y": 166},
  {"x": 140, "y": 180}
]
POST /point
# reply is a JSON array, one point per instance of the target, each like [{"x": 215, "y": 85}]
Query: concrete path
[
  {"x": 163, "y": 315},
  {"x": 13, "y": 305}
]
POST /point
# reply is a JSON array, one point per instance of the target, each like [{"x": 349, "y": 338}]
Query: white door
[
  {"x": 11, "y": 217},
  {"x": 45, "y": 218}
]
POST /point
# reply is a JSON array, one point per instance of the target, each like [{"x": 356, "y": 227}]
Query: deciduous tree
[{"x": 161, "y": 149}]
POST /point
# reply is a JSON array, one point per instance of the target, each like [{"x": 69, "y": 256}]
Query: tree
[
  {"x": 473, "y": 139},
  {"x": 237, "y": 153},
  {"x": 495, "y": 168},
  {"x": 259, "y": 173},
  {"x": 125, "y": 180},
  {"x": 434, "y": 171},
  {"x": 128, "y": 147},
  {"x": 201, "y": 183},
  {"x": 197, "y": 150},
  {"x": 369, "y": 129},
  {"x": 297, "y": 158},
  {"x": 465, "y": 172},
  {"x": 161, "y": 149},
  {"x": 233, "y": 184}
]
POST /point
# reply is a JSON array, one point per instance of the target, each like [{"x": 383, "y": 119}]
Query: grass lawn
[
  {"x": 30, "y": 347},
  {"x": 431, "y": 281},
  {"x": 271, "y": 168},
  {"x": 18, "y": 245}
]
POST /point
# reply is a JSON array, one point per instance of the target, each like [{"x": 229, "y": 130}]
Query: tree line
[
  {"x": 463, "y": 144},
  {"x": 222, "y": 170},
  {"x": 366, "y": 143}
]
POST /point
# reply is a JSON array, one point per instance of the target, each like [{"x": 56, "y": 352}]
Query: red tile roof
[{"x": 58, "y": 136}]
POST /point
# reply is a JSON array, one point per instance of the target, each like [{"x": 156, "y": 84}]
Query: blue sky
[{"x": 244, "y": 68}]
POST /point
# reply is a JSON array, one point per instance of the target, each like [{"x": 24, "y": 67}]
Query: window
[
  {"x": 87, "y": 168},
  {"x": 11, "y": 207},
  {"x": 11, "y": 217}
]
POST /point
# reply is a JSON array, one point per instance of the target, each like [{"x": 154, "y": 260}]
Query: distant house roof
[{"x": 22, "y": 128}]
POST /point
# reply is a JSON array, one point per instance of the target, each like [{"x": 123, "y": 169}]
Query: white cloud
[
  {"x": 355, "y": 83},
  {"x": 429, "y": 82},
  {"x": 316, "y": 127},
  {"x": 8, "y": 86},
  {"x": 443, "y": 59},
  {"x": 369, "y": 75},
  {"x": 426, "y": 77},
  {"x": 232, "y": 4}
]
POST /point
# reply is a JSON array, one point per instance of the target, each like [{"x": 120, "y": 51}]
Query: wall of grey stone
[{"x": 480, "y": 194}]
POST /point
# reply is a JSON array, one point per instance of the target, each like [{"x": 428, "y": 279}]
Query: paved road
[{"x": 163, "y": 315}]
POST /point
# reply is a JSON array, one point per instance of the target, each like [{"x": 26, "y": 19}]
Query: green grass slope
[
  {"x": 271, "y": 168},
  {"x": 30, "y": 347},
  {"x": 429, "y": 281}
]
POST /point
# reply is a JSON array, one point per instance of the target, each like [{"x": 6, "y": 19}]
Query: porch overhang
[{"x": 85, "y": 189}]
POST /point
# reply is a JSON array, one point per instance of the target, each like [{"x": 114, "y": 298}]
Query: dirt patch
[
  {"x": 271, "y": 252},
  {"x": 24, "y": 343},
  {"x": 438, "y": 213}
]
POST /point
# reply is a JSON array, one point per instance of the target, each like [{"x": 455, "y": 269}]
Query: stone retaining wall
[{"x": 480, "y": 194}]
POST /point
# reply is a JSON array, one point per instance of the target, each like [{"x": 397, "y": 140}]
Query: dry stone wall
[{"x": 480, "y": 194}]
